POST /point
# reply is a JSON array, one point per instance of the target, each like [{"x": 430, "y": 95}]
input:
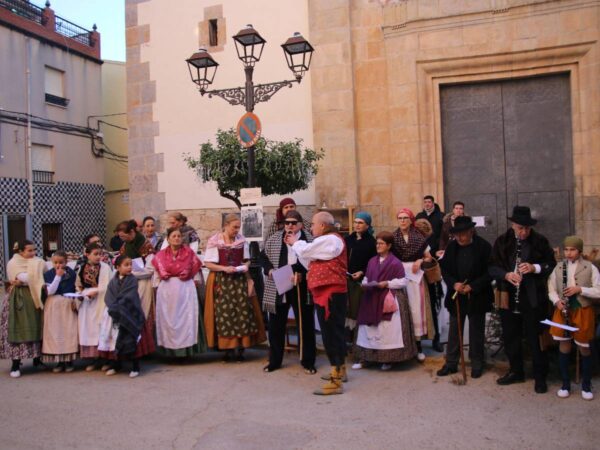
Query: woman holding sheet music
[{"x": 231, "y": 314}]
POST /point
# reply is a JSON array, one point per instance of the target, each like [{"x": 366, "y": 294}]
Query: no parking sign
[{"x": 248, "y": 130}]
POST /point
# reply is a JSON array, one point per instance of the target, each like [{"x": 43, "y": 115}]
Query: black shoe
[
  {"x": 436, "y": 346},
  {"x": 269, "y": 368},
  {"x": 446, "y": 370},
  {"x": 228, "y": 356},
  {"x": 476, "y": 373},
  {"x": 540, "y": 387},
  {"x": 510, "y": 378}
]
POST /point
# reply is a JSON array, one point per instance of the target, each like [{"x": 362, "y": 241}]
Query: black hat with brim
[
  {"x": 462, "y": 223},
  {"x": 522, "y": 216}
]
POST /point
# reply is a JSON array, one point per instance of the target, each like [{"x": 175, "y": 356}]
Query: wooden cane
[
  {"x": 460, "y": 338},
  {"x": 301, "y": 343}
]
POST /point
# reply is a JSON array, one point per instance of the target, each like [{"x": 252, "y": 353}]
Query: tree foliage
[{"x": 280, "y": 167}]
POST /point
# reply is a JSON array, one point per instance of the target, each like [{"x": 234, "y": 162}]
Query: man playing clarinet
[{"x": 521, "y": 262}]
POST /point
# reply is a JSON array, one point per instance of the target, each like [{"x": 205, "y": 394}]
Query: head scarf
[
  {"x": 279, "y": 214},
  {"x": 409, "y": 213},
  {"x": 574, "y": 241},
  {"x": 363, "y": 215}
]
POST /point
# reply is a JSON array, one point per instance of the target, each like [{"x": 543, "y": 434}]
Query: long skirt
[
  {"x": 61, "y": 334},
  {"x": 355, "y": 293},
  {"x": 179, "y": 330},
  {"x": 389, "y": 341},
  {"x": 232, "y": 319},
  {"x": 420, "y": 306},
  {"x": 110, "y": 333},
  {"x": 89, "y": 327},
  {"x": 20, "y": 325}
]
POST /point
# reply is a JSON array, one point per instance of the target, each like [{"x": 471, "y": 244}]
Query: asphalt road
[{"x": 207, "y": 404}]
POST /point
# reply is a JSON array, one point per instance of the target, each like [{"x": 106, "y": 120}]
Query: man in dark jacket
[
  {"x": 431, "y": 212},
  {"x": 275, "y": 255},
  {"x": 521, "y": 262},
  {"x": 465, "y": 271}
]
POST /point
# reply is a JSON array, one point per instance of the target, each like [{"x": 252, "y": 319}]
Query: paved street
[{"x": 210, "y": 405}]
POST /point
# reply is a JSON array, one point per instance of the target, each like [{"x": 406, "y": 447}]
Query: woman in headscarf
[
  {"x": 360, "y": 245},
  {"x": 232, "y": 315},
  {"x": 385, "y": 333},
  {"x": 410, "y": 247},
  {"x": 21, "y": 315},
  {"x": 179, "y": 327},
  {"x": 285, "y": 205}
]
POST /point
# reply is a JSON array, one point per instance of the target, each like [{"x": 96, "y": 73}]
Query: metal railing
[
  {"x": 43, "y": 177},
  {"x": 56, "y": 100},
  {"x": 23, "y": 9},
  {"x": 72, "y": 31},
  {"x": 35, "y": 13}
]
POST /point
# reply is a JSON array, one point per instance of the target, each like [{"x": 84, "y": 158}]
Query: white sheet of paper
[
  {"x": 416, "y": 277},
  {"x": 371, "y": 284},
  {"x": 72, "y": 264},
  {"x": 137, "y": 265},
  {"x": 73, "y": 295},
  {"x": 479, "y": 221},
  {"x": 283, "y": 279},
  {"x": 559, "y": 325}
]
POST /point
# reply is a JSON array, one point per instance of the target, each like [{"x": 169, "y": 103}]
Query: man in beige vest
[{"x": 572, "y": 286}]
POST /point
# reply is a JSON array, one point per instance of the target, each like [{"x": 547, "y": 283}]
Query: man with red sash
[{"x": 328, "y": 265}]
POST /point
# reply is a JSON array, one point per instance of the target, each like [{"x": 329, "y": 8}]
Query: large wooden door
[{"x": 507, "y": 143}]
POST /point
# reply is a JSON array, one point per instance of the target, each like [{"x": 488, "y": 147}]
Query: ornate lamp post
[{"x": 249, "y": 45}]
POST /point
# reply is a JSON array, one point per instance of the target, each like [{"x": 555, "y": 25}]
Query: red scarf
[{"x": 184, "y": 264}]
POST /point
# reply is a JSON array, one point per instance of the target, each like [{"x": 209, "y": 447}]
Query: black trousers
[
  {"x": 434, "y": 289},
  {"x": 514, "y": 328},
  {"x": 476, "y": 340},
  {"x": 277, "y": 324},
  {"x": 332, "y": 329}
]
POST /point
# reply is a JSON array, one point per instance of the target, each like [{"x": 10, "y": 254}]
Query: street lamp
[{"x": 249, "y": 45}]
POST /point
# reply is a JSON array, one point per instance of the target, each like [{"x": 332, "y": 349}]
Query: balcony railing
[
  {"x": 56, "y": 100},
  {"x": 43, "y": 177},
  {"x": 58, "y": 24},
  {"x": 70, "y": 30},
  {"x": 23, "y": 9}
]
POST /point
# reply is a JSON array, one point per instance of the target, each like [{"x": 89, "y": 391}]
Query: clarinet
[
  {"x": 518, "y": 261},
  {"x": 565, "y": 311}
]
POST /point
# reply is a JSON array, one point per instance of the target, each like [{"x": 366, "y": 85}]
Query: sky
[{"x": 108, "y": 15}]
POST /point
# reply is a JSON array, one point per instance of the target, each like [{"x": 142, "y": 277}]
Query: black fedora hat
[
  {"x": 462, "y": 223},
  {"x": 522, "y": 216}
]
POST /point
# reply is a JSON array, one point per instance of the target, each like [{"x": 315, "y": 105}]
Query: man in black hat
[
  {"x": 521, "y": 262},
  {"x": 465, "y": 271}
]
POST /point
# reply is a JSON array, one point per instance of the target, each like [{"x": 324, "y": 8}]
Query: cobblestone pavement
[{"x": 206, "y": 404}]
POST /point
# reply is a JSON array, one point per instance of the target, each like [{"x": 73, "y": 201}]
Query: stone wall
[{"x": 376, "y": 78}]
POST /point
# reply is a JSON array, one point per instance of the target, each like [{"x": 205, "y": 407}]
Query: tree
[{"x": 280, "y": 167}]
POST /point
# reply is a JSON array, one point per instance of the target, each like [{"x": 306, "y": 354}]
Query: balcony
[
  {"x": 56, "y": 100},
  {"x": 43, "y": 177}
]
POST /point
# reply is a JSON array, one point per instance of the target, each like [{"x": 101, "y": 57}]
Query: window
[
  {"x": 213, "y": 33},
  {"x": 42, "y": 163},
  {"x": 55, "y": 87}
]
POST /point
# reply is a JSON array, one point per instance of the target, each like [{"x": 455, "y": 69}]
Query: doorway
[{"x": 506, "y": 143}]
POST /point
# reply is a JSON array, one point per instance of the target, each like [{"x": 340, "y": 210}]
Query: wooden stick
[
  {"x": 460, "y": 337},
  {"x": 301, "y": 340}
]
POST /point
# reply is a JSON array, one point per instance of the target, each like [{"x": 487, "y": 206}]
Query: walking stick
[
  {"x": 460, "y": 339},
  {"x": 301, "y": 342}
]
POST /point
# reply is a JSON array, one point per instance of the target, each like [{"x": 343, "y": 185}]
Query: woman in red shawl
[
  {"x": 410, "y": 247},
  {"x": 179, "y": 330}
]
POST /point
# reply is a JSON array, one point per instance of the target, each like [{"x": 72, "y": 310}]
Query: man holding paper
[
  {"x": 572, "y": 287},
  {"x": 286, "y": 279},
  {"x": 327, "y": 283}
]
